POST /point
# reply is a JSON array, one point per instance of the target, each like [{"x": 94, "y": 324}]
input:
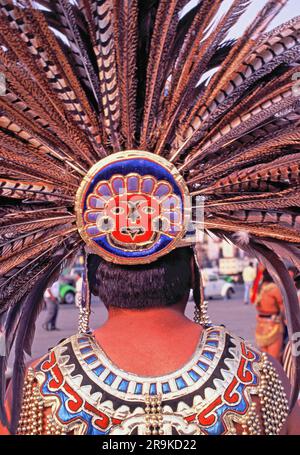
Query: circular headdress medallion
[{"x": 132, "y": 207}]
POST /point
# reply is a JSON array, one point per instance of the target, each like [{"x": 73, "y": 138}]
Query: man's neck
[
  {"x": 151, "y": 341},
  {"x": 158, "y": 322},
  {"x": 162, "y": 316}
]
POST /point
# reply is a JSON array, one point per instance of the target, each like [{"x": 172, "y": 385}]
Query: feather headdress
[{"x": 89, "y": 78}]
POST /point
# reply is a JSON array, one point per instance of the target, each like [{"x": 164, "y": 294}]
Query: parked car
[
  {"x": 67, "y": 293},
  {"x": 216, "y": 286}
]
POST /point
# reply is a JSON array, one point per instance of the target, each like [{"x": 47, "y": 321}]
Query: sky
[{"x": 290, "y": 10}]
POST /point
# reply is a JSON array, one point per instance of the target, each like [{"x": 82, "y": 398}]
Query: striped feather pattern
[
  {"x": 261, "y": 61},
  {"x": 100, "y": 13}
]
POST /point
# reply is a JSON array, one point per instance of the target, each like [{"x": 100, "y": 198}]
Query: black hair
[
  {"x": 164, "y": 282},
  {"x": 267, "y": 278}
]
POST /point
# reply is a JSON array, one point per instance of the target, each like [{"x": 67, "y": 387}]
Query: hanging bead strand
[
  {"x": 153, "y": 415},
  {"x": 273, "y": 399},
  {"x": 85, "y": 301},
  {"x": 201, "y": 310},
  {"x": 31, "y": 416}
]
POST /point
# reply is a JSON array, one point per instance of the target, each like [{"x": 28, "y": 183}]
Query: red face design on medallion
[
  {"x": 132, "y": 212},
  {"x": 133, "y": 217}
]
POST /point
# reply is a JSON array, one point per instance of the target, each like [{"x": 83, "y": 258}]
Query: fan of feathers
[{"x": 87, "y": 78}]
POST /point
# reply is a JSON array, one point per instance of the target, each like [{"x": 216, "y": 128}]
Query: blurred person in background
[
  {"x": 52, "y": 300},
  {"x": 270, "y": 317},
  {"x": 249, "y": 274}
]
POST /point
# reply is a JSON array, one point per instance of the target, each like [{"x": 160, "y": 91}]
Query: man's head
[
  {"x": 164, "y": 282},
  {"x": 76, "y": 275},
  {"x": 267, "y": 278}
]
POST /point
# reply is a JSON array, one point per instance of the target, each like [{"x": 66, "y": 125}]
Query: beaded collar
[
  {"x": 211, "y": 394},
  {"x": 100, "y": 369}
]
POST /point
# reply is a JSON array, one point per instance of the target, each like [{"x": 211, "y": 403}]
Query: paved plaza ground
[{"x": 232, "y": 313}]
